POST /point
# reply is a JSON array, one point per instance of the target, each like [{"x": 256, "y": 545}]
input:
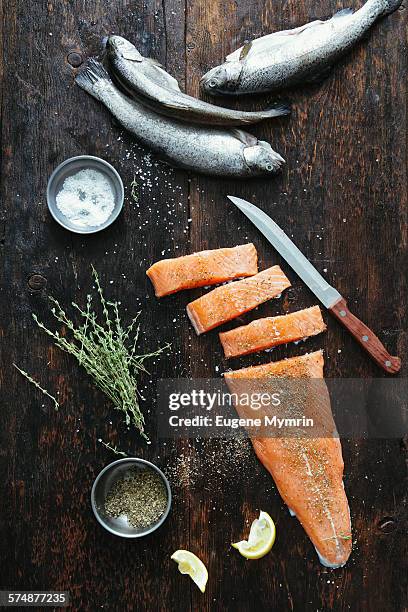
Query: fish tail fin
[
  {"x": 391, "y": 6},
  {"x": 278, "y": 110},
  {"x": 91, "y": 75}
]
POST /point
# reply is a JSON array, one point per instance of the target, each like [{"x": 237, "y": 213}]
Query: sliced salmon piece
[
  {"x": 308, "y": 472},
  {"x": 230, "y": 301},
  {"x": 204, "y": 268},
  {"x": 271, "y": 331}
]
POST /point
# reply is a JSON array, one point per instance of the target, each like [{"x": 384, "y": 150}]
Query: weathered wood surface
[{"x": 343, "y": 196}]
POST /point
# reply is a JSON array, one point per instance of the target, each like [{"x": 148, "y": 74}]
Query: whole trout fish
[
  {"x": 208, "y": 150},
  {"x": 146, "y": 81},
  {"x": 291, "y": 57}
]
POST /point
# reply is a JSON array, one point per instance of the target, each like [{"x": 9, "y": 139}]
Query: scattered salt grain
[{"x": 86, "y": 198}]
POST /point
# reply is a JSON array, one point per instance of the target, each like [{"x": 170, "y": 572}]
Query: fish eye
[
  {"x": 269, "y": 167},
  {"x": 212, "y": 83}
]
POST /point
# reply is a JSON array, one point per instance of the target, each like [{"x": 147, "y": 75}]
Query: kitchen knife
[{"x": 328, "y": 295}]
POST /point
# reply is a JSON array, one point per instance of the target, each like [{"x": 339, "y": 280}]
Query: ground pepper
[{"x": 140, "y": 495}]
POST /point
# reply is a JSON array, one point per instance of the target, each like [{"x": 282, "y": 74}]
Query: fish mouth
[
  {"x": 115, "y": 43},
  {"x": 224, "y": 79},
  {"x": 256, "y": 160},
  {"x": 120, "y": 47},
  {"x": 275, "y": 164},
  {"x": 208, "y": 81},
  {"x": 278, "y": 159},
  {"x": 275, "y": 161}
]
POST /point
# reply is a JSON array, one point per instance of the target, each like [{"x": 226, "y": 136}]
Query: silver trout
[
  {"x": 208, "y": 150},
  {"x": 145, "y": 80},
  {"x": 292, "y": 57}
]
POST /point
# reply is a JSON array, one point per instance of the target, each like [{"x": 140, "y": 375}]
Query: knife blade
[{"x": 328, "y": 295}]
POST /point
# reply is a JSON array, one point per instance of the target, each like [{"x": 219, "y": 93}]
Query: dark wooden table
[{"x": 343, "y": 196}]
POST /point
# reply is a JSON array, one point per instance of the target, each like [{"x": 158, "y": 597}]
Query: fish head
[
  {"x": 119, "y": 47},
  {"x": 262, "y": 159},
  {"x": 222, "y": 79}
]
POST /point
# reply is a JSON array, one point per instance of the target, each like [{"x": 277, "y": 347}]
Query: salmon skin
[
  {"x": 271, "y": 331},
  {"x": 230, "y": 301},
  {"x": 308, "y": 472},
  {"x": 203, "y": 268}
]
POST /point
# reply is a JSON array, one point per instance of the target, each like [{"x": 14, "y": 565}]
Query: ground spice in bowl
[{"x": 140, "y": 495}]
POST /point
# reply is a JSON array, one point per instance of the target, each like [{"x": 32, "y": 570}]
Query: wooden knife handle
[{"x": 366, "y": 338}]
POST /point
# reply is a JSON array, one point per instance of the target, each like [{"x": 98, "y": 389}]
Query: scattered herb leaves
[{"x": 340, "y": 536}]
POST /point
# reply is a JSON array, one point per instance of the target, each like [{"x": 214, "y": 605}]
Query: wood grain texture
[{"x": 343, "y": 197}]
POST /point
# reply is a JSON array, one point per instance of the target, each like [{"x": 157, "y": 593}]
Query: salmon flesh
[
  {"x": 266, "y": 333},
  {"x": 234, "y": 299},
  {"x": 308, "y": 472},
  {"x": 204, "y": 268}
]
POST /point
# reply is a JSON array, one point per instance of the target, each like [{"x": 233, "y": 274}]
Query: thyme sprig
[
  {"x": 36, "y": 384},
  {"x": 112, "y": 448},
  {"x": 134, "y": 190},
  {"x": 106, "y": 350}
]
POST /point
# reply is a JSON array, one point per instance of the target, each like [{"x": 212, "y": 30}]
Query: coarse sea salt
[{"x": 86, "y": 198}]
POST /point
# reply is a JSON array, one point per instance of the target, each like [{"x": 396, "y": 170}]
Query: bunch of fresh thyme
[{"x": 106, "y": 350}]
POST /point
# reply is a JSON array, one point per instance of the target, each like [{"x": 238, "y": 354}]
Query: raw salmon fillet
[
  {"x": 230, "y": 301},
  {"x": 308, "y": 472},
  {"x": 204, "y": 268},
  {"x": 271, "y": 331}
]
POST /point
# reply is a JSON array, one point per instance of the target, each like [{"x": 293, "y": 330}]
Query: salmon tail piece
[{"x": 307, "y": 471}]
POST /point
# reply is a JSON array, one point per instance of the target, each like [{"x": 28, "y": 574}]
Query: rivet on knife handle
[{"x": 365, "y": 337}]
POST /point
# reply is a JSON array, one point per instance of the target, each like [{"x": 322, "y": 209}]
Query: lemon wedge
[
  {"x": 189, "y": 563},
  {"x": 261, "y": 538}
]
